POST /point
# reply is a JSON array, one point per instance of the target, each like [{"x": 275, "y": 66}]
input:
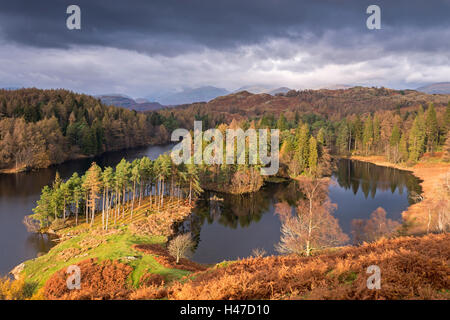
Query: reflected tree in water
[
  {"x": 370, "y": 178},
  {"x": 374, "y": 228}
]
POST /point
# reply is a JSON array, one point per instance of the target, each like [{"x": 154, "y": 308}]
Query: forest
[
  {"x": 132, "y": 215},
  {"x": 401, "y": 125},
  {"x": 39, "y": 128},
  {"x": 114, "y": 192}
]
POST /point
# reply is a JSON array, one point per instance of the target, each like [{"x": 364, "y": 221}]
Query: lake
[{"x": 223, "y": 230}]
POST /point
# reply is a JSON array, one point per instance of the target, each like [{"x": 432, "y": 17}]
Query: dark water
[
  {"x": 225, "y": 229},
  {"x": 232, "y": 228},
  {"x": 18, "y": 196}
]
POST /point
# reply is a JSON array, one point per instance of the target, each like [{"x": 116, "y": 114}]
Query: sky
[{"x": 143, "y": 48}]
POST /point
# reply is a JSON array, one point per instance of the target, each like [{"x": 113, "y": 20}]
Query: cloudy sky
[{"x": 145, "y": 47}]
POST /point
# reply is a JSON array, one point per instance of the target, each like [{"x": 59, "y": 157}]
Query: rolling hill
[
  {"x": 123, "y": 101},
  {"x": 436, "y": 88}
]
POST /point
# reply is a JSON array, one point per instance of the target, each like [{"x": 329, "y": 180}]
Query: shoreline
[
  {"x": 430, "y": 174},
  {"x": 74, "y": 158}
]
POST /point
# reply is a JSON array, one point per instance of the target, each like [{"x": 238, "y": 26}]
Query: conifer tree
[
  {"x": 93, "y": 185},
  {"x": 394, "y": 141},
  {"x": 417, "y": 138},
  {"x": 376, "y": 133},
  {"x": 403, "y": 148},
  {"x": 368, "y": 135},
  {"x": 446, "y": 149},
  {"x": 321, "y": 136},
  {"x": 282, "y": 123},
  {"x": 342, "y": 142},
  {"x": 432, "y": 130},
  {"x": 302, "y": 148},
  {"x": 313, "y": 155},
  {"x": 447, "y": 118}
]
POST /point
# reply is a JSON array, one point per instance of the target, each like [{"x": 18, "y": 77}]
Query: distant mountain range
[
  {"x": 124, "y": 101},
  {"x": 438, "y": 87},
  {"x": 337, "y": 86},
  {"x": 207, "y": 93},
  {"x": 201, "y": 94},
  {"x": 262, "y": 89}
]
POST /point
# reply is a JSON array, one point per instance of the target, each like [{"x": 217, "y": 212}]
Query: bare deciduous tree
[
  {"x": 181, "y": 246},
  {"x": 313, "y": 227}
]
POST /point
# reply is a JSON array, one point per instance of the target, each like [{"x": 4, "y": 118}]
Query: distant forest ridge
[{"x": 43, "y": 127}]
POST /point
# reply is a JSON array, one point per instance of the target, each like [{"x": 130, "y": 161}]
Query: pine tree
[
  {"x": 135, "y": 178},
  {"x": 403, "y": 148},
  {"x": 43, "y": 210},
  {"x": 357, "y": 129},
  {"x": 194, "y": 181},
  {"x": 313, "y": 156},
  {"x": 93, "y": 186},
  {"x": 446, "y": 149},
  {"x": 376, "y": 133},
  {"x": 123, "y": 172},
  {"x": 321, "y": 136},
  {"x": 395, "y": 136},
  {"x": 108, "y": 185},
  {"x": 282, "y": 123},
  {"x": 342, "y": 142},
  {"x": 417, "y": 138},
  {"x": 368, "y": 135},
  {"x": 432, "y": 130},
  {"x": 447, "y": 118},
  {"x": 302, "y": 148},
  {"x": 394, "y": 141}
]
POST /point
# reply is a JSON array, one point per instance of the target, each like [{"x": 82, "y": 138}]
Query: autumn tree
[
  {"x": 367, "y": 135},
  {"x": 394, "y": 143},
  {"x": 313, "y": 156},
  {"x": 313, "y": 227},
  {"x": 417, "y": 138},
  {"x": 432, "y": 129},
  {"x": 181, "y": 246},
  {"x": 93, "y": 185},
  {"x": 446, "y": 148},
  {"x": 372, "y": 229}
]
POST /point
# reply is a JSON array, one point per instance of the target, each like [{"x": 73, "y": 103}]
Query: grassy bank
[{"x": 119, "y": 244}]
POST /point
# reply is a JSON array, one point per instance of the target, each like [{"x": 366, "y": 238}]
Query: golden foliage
[
  {"x": 411, "y": 268},
  {"x": 104, "y": 280}
]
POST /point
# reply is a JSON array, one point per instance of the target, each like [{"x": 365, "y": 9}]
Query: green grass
[{"x": 116, "y": 247}]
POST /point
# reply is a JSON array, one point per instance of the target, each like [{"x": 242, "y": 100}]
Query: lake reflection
[
  {"x": 19, "y": 193},
  {"x": 227, "y": 227},
  {"x": 224, "y": 229}
]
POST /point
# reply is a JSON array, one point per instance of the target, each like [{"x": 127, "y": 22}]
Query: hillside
[
  {"x": 200, "y": 94},
  {"x": 411, "y": 268},
  {"x": 436, "y": 88},
  {"x": 140, "y": 105},
  {"x": 39, "y": 128},
  {"x": 331, "y": 104},
  {"x": 132, "y": 267}
]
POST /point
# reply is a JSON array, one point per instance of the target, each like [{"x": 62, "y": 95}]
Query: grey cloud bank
[{"x": 143, "y": 47}]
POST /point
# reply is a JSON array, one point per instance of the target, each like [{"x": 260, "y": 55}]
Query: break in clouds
[{"x": 142, "y": 47}]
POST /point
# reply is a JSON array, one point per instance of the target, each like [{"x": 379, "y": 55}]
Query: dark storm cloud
[
  {"x": 145, "y": 47},
  {"x": 173, "y": 27}
]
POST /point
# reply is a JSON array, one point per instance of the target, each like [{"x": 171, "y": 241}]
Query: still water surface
[{"x": 225, "y": 229}]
